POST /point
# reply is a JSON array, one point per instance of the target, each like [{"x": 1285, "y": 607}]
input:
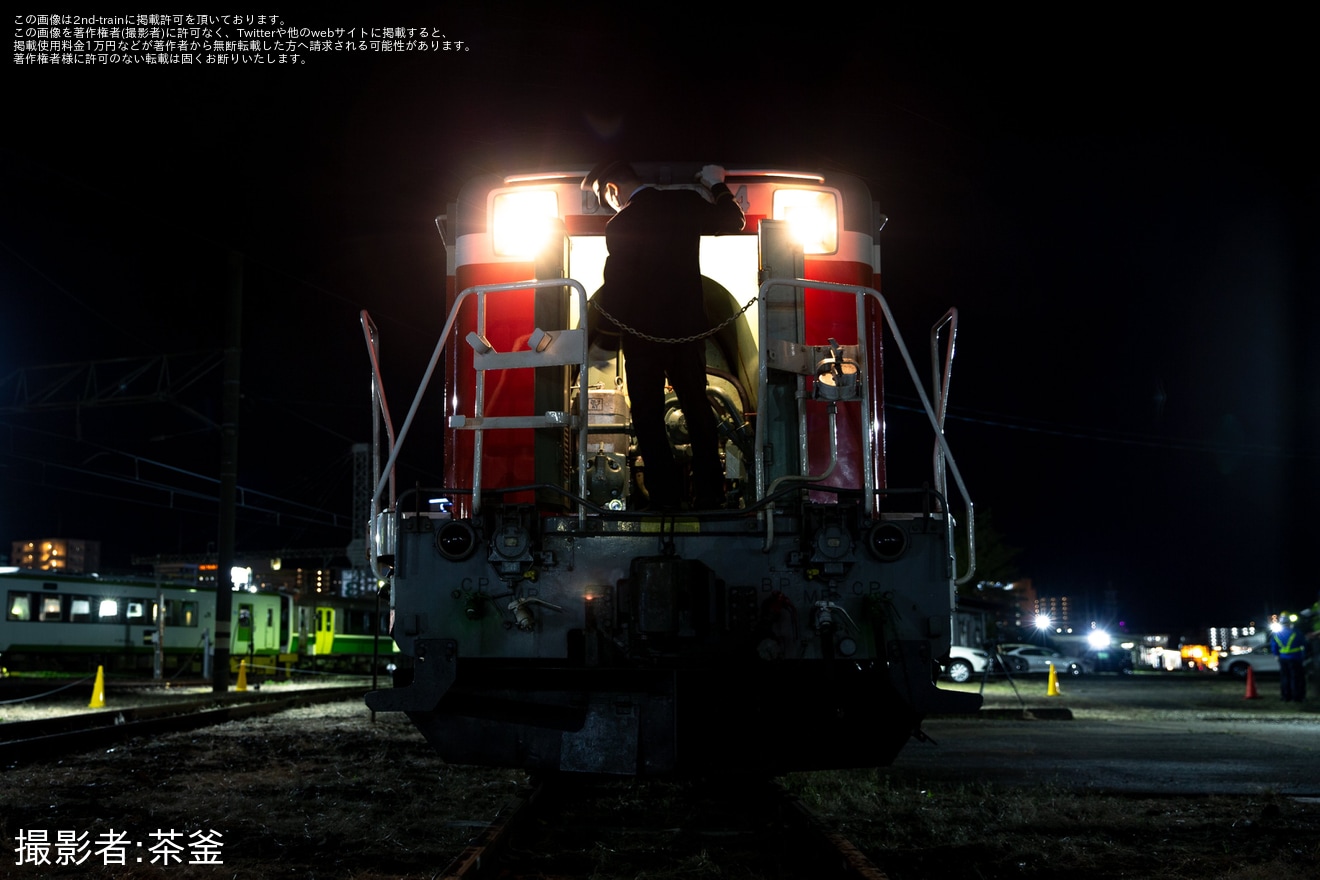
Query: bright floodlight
[
  {"x": 813, "y": 218},
  {"x": 1099, "y": 639},
  {"x": 1043, "y": 621},
  {"x": 523, "y": 220}
]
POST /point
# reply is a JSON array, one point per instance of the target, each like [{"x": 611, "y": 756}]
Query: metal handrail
[
  {"x": 479, "y": 403},
  {"x": 378, "y": 395},
  {"x": 380, "y": 410},
  {"x": 936, "y": 421},
  {"x": 941, "y": 375}
]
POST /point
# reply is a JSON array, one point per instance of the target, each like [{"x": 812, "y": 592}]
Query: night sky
[{"x": 1124, "y": 213}]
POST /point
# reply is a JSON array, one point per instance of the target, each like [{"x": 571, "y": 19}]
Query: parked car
[
  {"x": 1039, "y": 659},
  {"x": 1258, "y": 660},
  {"x": 1006, "y": 660},
  {"x": 965, "y": 662},
  {"x": 1109, "y": 659}
]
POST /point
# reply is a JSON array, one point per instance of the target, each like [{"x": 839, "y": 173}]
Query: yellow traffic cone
[
  {"x": 98, "y": 690},
  {"x": 242, "y": 676},
  {"x": 1053, "y": 689}
]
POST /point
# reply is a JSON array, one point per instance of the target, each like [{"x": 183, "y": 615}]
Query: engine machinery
[{"x": 553, "y": 622}]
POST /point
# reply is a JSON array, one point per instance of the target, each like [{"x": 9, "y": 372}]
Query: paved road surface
[{"x": 1159, "y": 734}]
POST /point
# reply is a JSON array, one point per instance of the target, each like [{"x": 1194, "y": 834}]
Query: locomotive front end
[{"x": 558, "y": 622}]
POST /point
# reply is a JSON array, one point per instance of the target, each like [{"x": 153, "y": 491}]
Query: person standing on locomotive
[{"x": 653, "y": 294}]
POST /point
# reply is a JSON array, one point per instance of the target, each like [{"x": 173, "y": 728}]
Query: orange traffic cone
[
  {"x": 242, "y": 676},
  {"x": 98, "y": 690},
  {"x": 1052, "y": 690},
  {"x": 1251, "y": 685}
]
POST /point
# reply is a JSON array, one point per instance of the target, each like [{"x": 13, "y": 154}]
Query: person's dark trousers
[
  {"x": 684, "y": 363},
  {"x": 1292, "y": 679}
]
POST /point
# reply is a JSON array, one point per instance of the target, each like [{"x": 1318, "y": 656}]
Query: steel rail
[
  {"x": 41, "y": 739},
  {"x": 827, "y": 853}
]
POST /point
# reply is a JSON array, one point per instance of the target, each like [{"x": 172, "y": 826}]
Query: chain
[{"x": 649, "y": 338}]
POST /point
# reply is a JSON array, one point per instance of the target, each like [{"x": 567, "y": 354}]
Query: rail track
[
  {"x": 46, "y": 738},
  {"x": 556, "y": 827}
]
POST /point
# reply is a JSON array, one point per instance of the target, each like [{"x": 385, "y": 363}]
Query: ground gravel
[
  {"x": 331, "y": 792},
  {"x": 321, "y": 792}
]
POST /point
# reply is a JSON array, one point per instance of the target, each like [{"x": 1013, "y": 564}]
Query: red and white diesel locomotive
[{"x": 553, "y": 621}]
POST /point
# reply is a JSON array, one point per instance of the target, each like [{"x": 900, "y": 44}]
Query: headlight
[
  {"x": 813, "y": 218},
  {"x": 523, "y": 220}
]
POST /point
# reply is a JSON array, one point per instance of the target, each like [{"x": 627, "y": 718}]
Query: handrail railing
[
  {"x": 936, "y": 420},
  {"x": 386, "y": 475},
  {"x": 860, "y": 292},
  {"x": 532, "y": 358},
  {"x": 380, "y": 411},
  {"x": 940, "y": 376}
]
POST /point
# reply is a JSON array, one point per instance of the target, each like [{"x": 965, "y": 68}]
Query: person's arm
[{"x": 726, "y": 216}]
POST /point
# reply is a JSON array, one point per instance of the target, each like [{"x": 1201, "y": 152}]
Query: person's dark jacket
[{"x": 653, "y": 274}]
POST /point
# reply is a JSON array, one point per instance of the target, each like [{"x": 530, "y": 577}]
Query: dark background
[{"x": 1123, "y": 211}]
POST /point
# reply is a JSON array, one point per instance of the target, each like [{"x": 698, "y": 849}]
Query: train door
[
  {"x": 268, "y": 638},
  {"x": 325, "y": 630},
  {"x": 243, "y": 630}
]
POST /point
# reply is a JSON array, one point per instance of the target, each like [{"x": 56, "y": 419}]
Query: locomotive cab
[{"x": 553, "y": 621}]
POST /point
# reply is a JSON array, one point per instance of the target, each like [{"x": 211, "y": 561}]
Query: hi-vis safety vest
[{"x": 1287, "y": 649}]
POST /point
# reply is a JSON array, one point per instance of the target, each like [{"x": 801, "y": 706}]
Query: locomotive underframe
[{"x": 648, "y": 646}]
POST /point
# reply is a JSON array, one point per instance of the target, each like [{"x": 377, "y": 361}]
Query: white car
[
  {"x": 1257, "y": 660},
  {"x": 965, "y": 662},
  {"x": 1040, "y": 659}
]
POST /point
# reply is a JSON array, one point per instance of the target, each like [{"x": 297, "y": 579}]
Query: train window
[
  {"x": 51, "y": 608},
  {"x": 20, "y": 607},
  {"x": 80, "y": 609},
  {"x": 180, "y": 613},
  {"x": 270, "y": 617},
  {"x": 108, "y": 611},
  {"x": 137, "y": 612}
]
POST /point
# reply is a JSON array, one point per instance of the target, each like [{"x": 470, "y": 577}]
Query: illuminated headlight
[
  {"x": 523, "y": 220},
  {"x": 812, "y": 216}
]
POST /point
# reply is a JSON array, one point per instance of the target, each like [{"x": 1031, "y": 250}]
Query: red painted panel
[
  {"x": 507, "y": 458},
  {"x": 830, "y": 314}
]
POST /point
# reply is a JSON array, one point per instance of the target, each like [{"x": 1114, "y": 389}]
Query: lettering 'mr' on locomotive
[{"x": 553, "y": 621}]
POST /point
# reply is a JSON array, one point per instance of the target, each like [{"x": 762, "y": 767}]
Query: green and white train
[{"x": 58, "y": 621}]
